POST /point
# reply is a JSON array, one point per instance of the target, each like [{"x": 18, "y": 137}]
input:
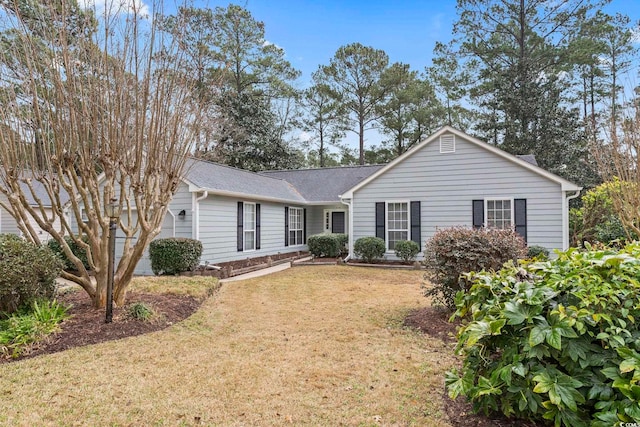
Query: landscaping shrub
[
  {"x": 81, "y": 253},
  {"x": 407, "y": 250},
  {"x": 327, "y": 244},
  {"x": 140, "y": 311},
  {"x": 174, "y": 255},
  {"x": 453, "y": 251},
  {"x": 22, "y": 330},
  {"x": 27, "y": 273},
  {"x": 369, "y": 249},
  {"x": 538, "y": 252},
  {"x": 555, "y": 340},
  {"x": 597, "y": 220}
]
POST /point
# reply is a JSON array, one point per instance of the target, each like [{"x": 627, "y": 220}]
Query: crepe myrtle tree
[{"x": 95, "y": 105}]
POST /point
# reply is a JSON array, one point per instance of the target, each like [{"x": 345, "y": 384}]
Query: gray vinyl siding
[
  {"x": 446, "y": 185},
  {"x": 218, "y": 230},
  {"x": 8, "y": 224}
]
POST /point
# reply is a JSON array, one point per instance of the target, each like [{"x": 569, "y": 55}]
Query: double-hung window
[
  {"x": 296, "y": 226},
  {"x": 499, "y": 214},
  {"x": 397, "y": 223},
  {"x": 249, "y": 226}
]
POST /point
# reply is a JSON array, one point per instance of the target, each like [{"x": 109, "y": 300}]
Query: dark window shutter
[
  {"x": 415, "y": 223},
  {"x": 304, "y": 226},
  {"x": 240, "y": 226},
  {"x": 380, "y": 214},
  {"x": 520, "y": 208},
  {"x": 478, "y": 213},
  {"x": 286, "y": 226},
  {"x": 257, "y": 225}
]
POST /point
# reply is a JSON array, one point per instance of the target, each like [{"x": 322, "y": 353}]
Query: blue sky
[{"x": 311, "y": 31}]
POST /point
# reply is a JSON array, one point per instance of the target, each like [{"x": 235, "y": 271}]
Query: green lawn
[{"x": 317, "y": 346}]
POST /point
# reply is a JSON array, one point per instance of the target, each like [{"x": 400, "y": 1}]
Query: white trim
[
  {"x": 244, "y": 226},
  {"x": 386, "y": 221},
  {"x": 565, "y": 217},
  {"x": 498, "y": 199},
  {"x": 565, "y": 185},
  {"x": 301, "y": 212}
]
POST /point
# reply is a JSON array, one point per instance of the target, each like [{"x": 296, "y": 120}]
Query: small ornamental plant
[
  {"x": 370, "y": 249},
  {"x": 407, "y": 250},
  {"x": 554, "y": 340}
]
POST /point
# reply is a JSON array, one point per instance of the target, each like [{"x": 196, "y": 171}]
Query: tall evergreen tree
[
  {"x": 354, "y": 75},
  {"x": 249, "y": 83},
  {"x": 411, "y": 110},
  {"x": 520, "y": 47},
  {"x": 326, "y": 120}
]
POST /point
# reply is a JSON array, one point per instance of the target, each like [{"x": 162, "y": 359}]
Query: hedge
[{"x": 174, "y": 255}]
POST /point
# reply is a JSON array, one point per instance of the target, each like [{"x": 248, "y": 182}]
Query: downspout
[
  {"x": 347, "y": 202},
  {"x": 196, "y": 214},
  {"x": 565, "y": 219},
  {"x": 173, "y": 234}
]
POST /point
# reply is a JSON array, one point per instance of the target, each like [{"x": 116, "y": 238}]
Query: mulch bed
[
  {"x": 87, "y": 324},
  {"x": 434, "y": 321}
]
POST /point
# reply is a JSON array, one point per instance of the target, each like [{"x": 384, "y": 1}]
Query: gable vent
[{"x": 447, "y": 143}]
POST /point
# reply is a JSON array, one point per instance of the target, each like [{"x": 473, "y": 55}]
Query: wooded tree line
[{"x": 532, "y": 76}]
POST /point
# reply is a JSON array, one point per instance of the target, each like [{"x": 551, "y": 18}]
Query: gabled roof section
[
  {"x": 525, "y": 163},
  {"x": 324, "y": 185},
  {"x": 202, "y": 175}
]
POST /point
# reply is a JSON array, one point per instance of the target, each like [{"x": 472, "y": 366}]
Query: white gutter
[
  {"x": 565, "y": 218},
  {"x": 347, "y": 202},
  {"x": 196, "y": 213}
]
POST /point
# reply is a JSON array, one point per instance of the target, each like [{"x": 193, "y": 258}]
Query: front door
[{"x": 337, "y": 222}]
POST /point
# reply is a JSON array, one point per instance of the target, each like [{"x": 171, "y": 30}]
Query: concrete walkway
[{"x": 258, "y": 273}]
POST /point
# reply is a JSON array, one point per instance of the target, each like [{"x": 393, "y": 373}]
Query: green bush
[
  {"x": 27, "y": 272},
  {"x": 597, "y": 220},
  {"x": 327, "y": 244},
  {"x": 554, "y": 340},
  {"x": 453, "y": 251},
  {"x": 23, "y": 329},
  {"x": 174, "y": 255},
  {"x": 538, "y": 252},
  {"x": 369, "y": 249},
  {"x": 78, "y": 251},
  {"x": 407, "y": 250}
]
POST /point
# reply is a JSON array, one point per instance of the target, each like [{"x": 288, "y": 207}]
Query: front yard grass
[{"x": 317, "y": 346}]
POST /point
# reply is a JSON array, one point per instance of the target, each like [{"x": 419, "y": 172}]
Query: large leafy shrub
[
  {"x": 174, "y": 255},
  {"x": 407, "y": 250},
  {"x": 369, "y": 249},
  {"x": 556, "y": 340},
  {"x": 27, "y": 272},
  {"x": 327, "y": 244},
  {"x": 597, "y": 220},
  {"x": 453, "y": 251},
  {"x": 77, "y": 250}
]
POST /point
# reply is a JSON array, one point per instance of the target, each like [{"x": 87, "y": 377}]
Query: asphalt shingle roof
[
  {"x": 326, "y": 184},
  {"x": 217, "y": 177}
]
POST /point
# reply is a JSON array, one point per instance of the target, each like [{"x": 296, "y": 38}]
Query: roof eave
[{"x": 245, "y": 196}]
